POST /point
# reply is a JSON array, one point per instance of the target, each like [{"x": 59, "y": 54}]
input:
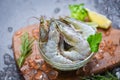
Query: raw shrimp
[
  {"x": 74, "y": 39},
  {"x": 51, "y": 46},
  {"x": 84, "y": 29},
  {"x": 70, "y": 53}
]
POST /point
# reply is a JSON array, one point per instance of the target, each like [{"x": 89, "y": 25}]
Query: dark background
[{"x": 15, "y": 14}]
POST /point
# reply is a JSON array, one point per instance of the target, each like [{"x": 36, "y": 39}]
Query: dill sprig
[{"x": 26, "y": 48}]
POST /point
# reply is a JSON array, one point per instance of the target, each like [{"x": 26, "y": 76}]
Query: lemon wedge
[{"x": 101, "y": 20}]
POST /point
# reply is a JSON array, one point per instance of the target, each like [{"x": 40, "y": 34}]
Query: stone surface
[{"x": 19, "y": 13}]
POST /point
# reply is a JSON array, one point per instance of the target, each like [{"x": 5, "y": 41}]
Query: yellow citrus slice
[{"x": 101, "y": 20}]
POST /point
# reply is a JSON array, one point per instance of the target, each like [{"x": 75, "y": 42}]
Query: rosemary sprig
[
  {"x": 26, "y": 48},
  {"x": 106, "y": 76}
]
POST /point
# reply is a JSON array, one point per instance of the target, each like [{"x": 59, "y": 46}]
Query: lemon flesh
[{"x": 101, "y": 20}]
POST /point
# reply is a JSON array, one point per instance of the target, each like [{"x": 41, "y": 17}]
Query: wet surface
[
  {"x": 10, "y": 71},
  {"x": 111, "y": 9},
  {"x": 57, "y": 10},
  {"x": 10, "y": 29},
  {"x": 16, "y": 14}
]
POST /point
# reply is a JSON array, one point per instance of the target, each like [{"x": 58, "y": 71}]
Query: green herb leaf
[
  {"x": 78, "y": 12},
  {"x": 26, "y": 48},
  {"x": 94, "y": 41},
  {"x": 106, "y": 76}
]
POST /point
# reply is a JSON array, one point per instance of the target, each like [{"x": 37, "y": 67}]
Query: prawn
[
  {"x": 84, "y": 29},
  {"x": 51, "y": 46},
  {"x": 80, "y": 47}
]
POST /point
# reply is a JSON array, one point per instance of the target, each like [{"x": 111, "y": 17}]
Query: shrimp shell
[
  {"x": 84, "y": 29},
  {"x": 52, "y": 49}
]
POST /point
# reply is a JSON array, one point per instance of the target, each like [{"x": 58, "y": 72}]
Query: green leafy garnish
[
  {"x": 106, "y": 76},
  {"x": 78, "y": 12},
  {"x": 94, "y": 41},
  {"x": 26, "y": 48}
]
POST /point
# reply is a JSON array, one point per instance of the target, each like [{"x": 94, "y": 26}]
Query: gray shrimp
[
  {"x": 74, "y": 39},
  {"x": 84, "y": 29},
  {"x": 51, "y": 46}
]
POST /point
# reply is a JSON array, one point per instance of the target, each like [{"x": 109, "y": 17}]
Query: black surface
[{"x": 15, "y": 14}]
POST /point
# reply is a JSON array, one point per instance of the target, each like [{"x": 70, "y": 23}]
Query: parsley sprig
[
  {"x": 78, "y": 11},
  {"x": 26, "y": 48},
  {"x": 94, "y": 41}
]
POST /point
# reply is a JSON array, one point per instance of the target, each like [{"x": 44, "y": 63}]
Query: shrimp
[
  {"x": 84, "y": 29},
  {"x": 51, "y": 46},
  {"x": 74, "y": 38},
  {"x": 70, "y": 53}
]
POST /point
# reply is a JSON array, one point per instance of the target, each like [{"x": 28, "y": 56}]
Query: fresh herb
[
  {"x": 26, "y": 48},
  {"x": 106, "y": 76},
  {"x": 78, "y": 12},
  {"x": 94, "y": 41}
]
